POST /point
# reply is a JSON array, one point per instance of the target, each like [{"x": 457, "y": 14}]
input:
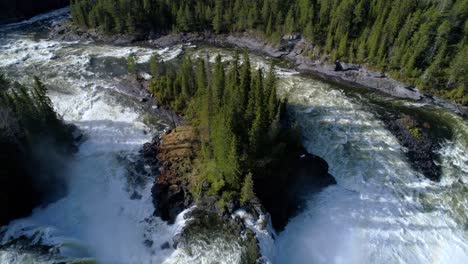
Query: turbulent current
[{"x": 381, "y": 211}]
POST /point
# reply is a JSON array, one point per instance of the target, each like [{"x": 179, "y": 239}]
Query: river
[{"x": 381, "y": 210}]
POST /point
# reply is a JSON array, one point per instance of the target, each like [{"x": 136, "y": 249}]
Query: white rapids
[
  {"x": 381, "y": 210},
  {"x": 107, "y": 214}
]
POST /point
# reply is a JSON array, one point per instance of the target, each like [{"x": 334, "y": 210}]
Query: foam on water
[
  {"x": 97, "y": 218},
  {"x": 379, "y": 212},
  {"x": 263, "y": 230},
  {"x": 256, "y": 61}
]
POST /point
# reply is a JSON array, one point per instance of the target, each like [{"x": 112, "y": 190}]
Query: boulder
[{"x": 420, "y": 148}]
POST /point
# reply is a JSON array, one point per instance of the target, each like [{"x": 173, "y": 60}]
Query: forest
[
  {"x": 423, "y": 43},
  {"x": 237, "y": 116},
  {"x": 27, "y": 120},
  {"x": 27, "y": 114}
]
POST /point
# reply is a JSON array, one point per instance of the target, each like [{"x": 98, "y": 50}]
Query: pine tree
[
  {"x": 131, "y": 64},
  {"x": 245, "y": 80},
  {"x": 247, "y": 192},
  {"x": 233, "y": 162},
  {"x": 155, "y": 65},
  {"x": 182, "y": 23},
  {"x": 289, "y": 26},
  {"x": 269, "y": 30},
  {"x": 218, "y": 17},
  {"x": 201, "y": 78},
  {"x": 233, "y": 82},
  {"x": 271, "y": 99},
  {"x": 218, "y": 82}
]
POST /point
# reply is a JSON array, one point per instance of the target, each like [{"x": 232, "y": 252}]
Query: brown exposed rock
[{"x": 175, "y": 153}]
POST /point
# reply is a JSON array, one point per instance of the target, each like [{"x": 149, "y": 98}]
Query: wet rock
[
  {"x": 209, "y": 229},
  {"x": 165, "y": 246},
  {"x": 148, "y": 243},
  {"x": 413, "y": 136},
  {"x": 338, "y": 66},
  {"x": 285, "y": 197},
  {"x": 170, "y": 190},
  {"x": 135, "y": 196},
  {"x": 304, "y": 54}
]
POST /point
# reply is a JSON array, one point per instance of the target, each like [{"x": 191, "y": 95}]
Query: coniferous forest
[
  {"x": 234, "y": 131},
  {"x": 423, "y": 43},
  {"x": 237, "y": 116}
]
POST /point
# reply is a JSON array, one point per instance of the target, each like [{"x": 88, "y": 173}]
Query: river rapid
[{"x": 381, "y": 210}]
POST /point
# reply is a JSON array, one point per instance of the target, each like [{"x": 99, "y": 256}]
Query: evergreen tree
[
  {"x": 218, "y": 17},
  {"x": 289, "y": 27},
  {"x": 156, "y": 67},
  {"x": 218, "y": 82},
  {"x": 131, "y": 64},
  {"x": 245, "y": 80},
  {"x": 247, "y": 192}
]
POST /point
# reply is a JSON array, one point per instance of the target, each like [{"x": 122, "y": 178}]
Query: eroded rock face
[
  {"x": 12, "y": 11},
  {"x": 174, "y": 152},
  {"x": 282, "y": 194},
  {"x": 285, "y": 197}
]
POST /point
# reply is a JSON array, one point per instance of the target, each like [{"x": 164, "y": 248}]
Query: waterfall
[{"x": 382, "y": 211}]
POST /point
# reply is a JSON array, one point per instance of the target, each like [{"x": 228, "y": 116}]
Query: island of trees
[
  {"x": 422, "y": 42},
  {"x": 238, "y": 119}
]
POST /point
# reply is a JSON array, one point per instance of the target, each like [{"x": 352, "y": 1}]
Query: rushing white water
[
  {"x": 381, "y": 211},
  {"x": 107, "y": 214},
  {"x": 98, "y": 217}
]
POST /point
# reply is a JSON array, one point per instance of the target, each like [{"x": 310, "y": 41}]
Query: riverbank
[{"x": 297, "y": 51}]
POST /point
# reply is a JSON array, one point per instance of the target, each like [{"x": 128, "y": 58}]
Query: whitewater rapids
[{"x": 381, "y": 211}]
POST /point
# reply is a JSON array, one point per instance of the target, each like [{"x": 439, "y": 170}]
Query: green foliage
[
  {"x": 232, "y": 141},
  {"x": 131, "y": 64},
  {"x": 27, "y": 115},
  {"x": 247, "y": 192},
  {"x": 416, "y": 133},
  {"x": 421, "y": 42},
  {"x": 156, "y": 67}
]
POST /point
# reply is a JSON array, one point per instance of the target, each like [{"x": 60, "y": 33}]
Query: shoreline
[
  {"x": 349, "y": 76},
  {"x": 291, "y": 51}
]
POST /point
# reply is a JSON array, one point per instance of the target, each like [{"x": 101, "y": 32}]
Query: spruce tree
[
  {"x": 155, "y": 66},
  {"x": 247, "y": 192},
  {"x": 131, "y": 64},
  {"x": 245, "y": 80},
  {"x": 218, "y": 82},
  {"x": 218, "y": 17}
]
